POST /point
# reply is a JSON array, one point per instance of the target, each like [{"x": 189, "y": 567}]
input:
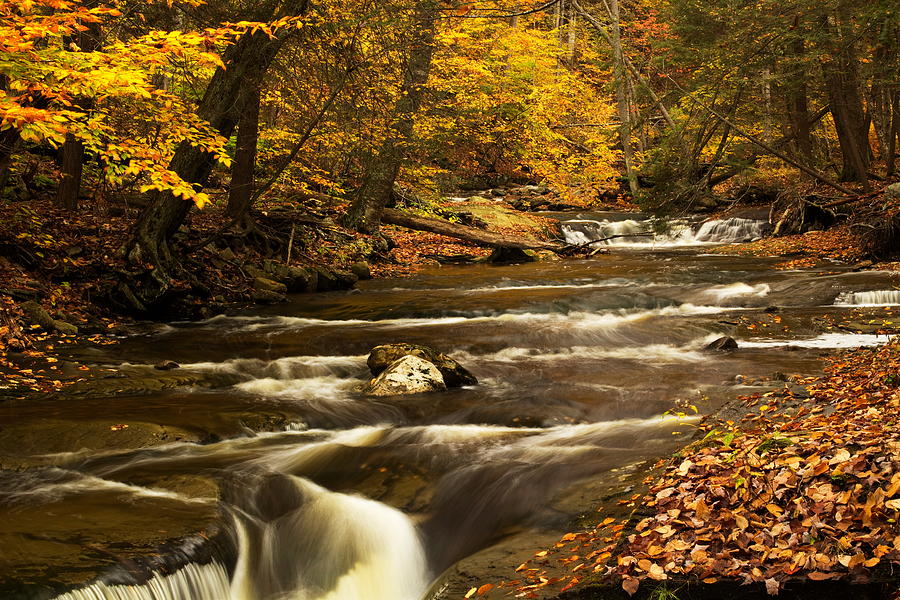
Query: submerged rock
[
  {"x": 723, "y": 344},
  {"x": 407, "y": 375},
  {"x": 454, "y": 374},
  {"x": 267, "y": 297},
  {"x": 166, "y": 365}
]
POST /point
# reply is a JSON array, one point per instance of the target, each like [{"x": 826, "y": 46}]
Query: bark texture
[{"x": 240, "y": 192}]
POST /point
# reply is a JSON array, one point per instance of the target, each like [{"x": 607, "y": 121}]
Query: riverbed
[{"x": 262, "y": 441}]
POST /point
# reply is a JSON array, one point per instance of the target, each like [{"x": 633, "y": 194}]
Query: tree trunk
[
  {"x": 365, "y": 211},
  {"x": 72, "y": 153},
  {"x": 71, "y": 171},
  {"x": 891, "y": 156},
  {"x": 469, "y": 234},
  {"x": 631, "y": 68},
  {"x": 624, "y": 109},
  {"x": 572, "y": 35},
  {"x": 149, "y": 246},
  {"x": 798, "y": 102},
  {"x": 9, "y": 141},
  {"x": 240, "y": 191},
  {"x": 842, "y": 83}
]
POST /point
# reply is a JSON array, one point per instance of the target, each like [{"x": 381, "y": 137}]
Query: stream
[{"x": 310, "y": 491}]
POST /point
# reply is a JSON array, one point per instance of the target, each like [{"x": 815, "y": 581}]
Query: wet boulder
[
  {"x": 723, "y": 344},
  {"x": 407, "y": 375},
  {"x": 454, "y": 374},
  {"x": 296, "y": 279},
  {"x": 269, "y": 285},
  {"x": 333, "y": 279},
  {"x": 37, "y": 315}
]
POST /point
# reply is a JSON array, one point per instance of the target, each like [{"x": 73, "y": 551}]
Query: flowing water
[{"x": 262, "y": 442}]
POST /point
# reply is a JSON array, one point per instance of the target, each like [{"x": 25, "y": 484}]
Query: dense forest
[
  {"x": 170, "y": 161},
  {"x": 338, "y": 110}
]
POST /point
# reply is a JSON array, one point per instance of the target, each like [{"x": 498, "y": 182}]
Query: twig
[{"x": 290, "y": 244}]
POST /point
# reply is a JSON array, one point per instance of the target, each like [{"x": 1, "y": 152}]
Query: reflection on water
[{"x": 318, "y": 492}]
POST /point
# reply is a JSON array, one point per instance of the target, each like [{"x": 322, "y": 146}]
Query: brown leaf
[{"x": 630, "y": 585}]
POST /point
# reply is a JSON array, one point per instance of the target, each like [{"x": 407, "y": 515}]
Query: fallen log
[{"x": 393, "y": 216}]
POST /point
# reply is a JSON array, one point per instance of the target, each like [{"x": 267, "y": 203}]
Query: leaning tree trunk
[
  {"x": 149, "y": 246},
  {"x": 462, "y": 232},
  {"x": 365, "y": 211}
]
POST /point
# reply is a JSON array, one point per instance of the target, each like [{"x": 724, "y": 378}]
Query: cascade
[
  {"x": 678, "y": 233},
  {"x": 871, "y": 298},
  {"x": 296, "y": 541},
  {"x": 732, "y": 230}
]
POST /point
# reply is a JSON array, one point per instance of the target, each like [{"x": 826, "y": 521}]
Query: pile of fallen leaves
[
  {"x": 803, "y": 250},
  {"x": 417, "y": 249},
  {"x": 811, "y": 491}
]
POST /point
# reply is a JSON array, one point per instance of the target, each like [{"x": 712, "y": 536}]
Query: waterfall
[
  {"x": 296, "y": 541},
  {"x": 679, "y": 233},
  {"x": 732, "y": 231},
  {"x": 193, "y": 582},
  {"x": 582, "y": 231},
  {"x": 872, "y": 298}
]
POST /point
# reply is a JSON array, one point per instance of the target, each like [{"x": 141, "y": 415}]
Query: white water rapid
[{"x": 259, "y": 470}]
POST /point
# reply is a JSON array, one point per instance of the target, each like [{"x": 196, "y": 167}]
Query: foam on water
[
  {"x": 575, "y": 318},
  {"x": 826, "y": 340},
  {"x": 656, "y": 353},
  {"x": 289, "y": 367},
  {"x": 319, "y": 388},
  {"x": 53, "y": 484},
  {"x": 722, "y": 293}
]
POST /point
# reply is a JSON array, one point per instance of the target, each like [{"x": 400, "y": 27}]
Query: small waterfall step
[
  {"x": 631, "y": 232},
  {"x": 870, "y": 298}
]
